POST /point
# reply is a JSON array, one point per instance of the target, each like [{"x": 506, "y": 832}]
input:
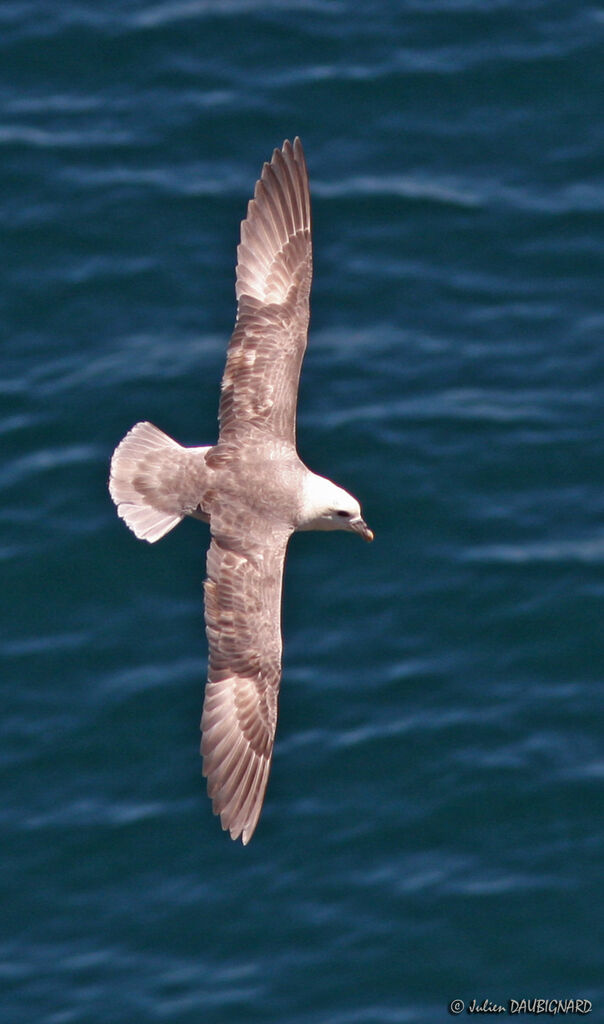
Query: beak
[{"x": 360, "y": 526}]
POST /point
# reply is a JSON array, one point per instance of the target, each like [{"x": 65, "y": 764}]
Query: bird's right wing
[
  {"x": 274, "y": 272},
  {"x": 243, "y": 623}
]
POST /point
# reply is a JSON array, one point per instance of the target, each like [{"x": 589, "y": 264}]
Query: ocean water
[{"x": 433, "y": 825}]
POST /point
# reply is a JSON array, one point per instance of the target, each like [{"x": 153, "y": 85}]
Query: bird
[{"x": 251, "y": 487}]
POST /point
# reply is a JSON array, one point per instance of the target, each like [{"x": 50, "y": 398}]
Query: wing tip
[
  {"x": 241, "y": 815},
  {"x": 236, "y": 776},
  {"x": 279, "y": 211},
  {"x": 294, "y": 150}
]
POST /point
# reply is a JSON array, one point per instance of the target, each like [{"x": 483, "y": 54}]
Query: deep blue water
[{"x": 433, "y": 824}]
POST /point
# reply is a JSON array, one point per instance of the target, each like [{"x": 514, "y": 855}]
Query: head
[{"x": 328, "y": 507}]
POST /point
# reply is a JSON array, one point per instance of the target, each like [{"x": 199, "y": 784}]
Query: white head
[{"x": 328, "y": 507}]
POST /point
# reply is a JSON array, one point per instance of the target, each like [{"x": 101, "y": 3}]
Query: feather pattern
[
  {"x": 251, "y": 487},
  {"x": 245, "y": 566},
  {"x": 243, "y": 624},
  {"x": 274, "y": 272},
  {"x": 155, "y": 482}
]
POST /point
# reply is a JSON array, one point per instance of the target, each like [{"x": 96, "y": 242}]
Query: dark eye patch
[{"x": 344, "y": 514}]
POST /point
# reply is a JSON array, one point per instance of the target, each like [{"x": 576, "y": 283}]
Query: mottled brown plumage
[
  {"x": 274, "y": 272},
  {"x": 251, "y": 487}
]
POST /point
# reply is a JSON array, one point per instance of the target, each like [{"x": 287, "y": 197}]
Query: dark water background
[{"x": 433, "y": 825}]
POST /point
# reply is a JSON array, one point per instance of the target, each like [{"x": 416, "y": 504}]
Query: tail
[{"x": 155, "y": 482}]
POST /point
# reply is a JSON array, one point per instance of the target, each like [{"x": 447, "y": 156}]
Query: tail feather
[{"x": 154, "y": 482}]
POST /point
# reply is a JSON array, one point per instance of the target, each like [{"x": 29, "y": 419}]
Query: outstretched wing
[
  {"x": 274, "y": 272},
  {"x": 243, "y": 623}
]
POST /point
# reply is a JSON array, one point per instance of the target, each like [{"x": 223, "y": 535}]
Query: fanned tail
[{"x": 155, "y": 482}]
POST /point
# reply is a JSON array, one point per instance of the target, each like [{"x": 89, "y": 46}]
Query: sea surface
[{"x": 433, "y": 828}]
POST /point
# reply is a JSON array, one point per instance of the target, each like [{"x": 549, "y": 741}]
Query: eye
[{"x": 343, "y": 514}]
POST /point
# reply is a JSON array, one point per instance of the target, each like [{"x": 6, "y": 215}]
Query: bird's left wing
[
  {"x": 243, "y": 623},
  {"x": 274, "y": 271}
]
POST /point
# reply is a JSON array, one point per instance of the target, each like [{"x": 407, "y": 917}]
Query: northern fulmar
[{"x": 251, "y": 487}]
